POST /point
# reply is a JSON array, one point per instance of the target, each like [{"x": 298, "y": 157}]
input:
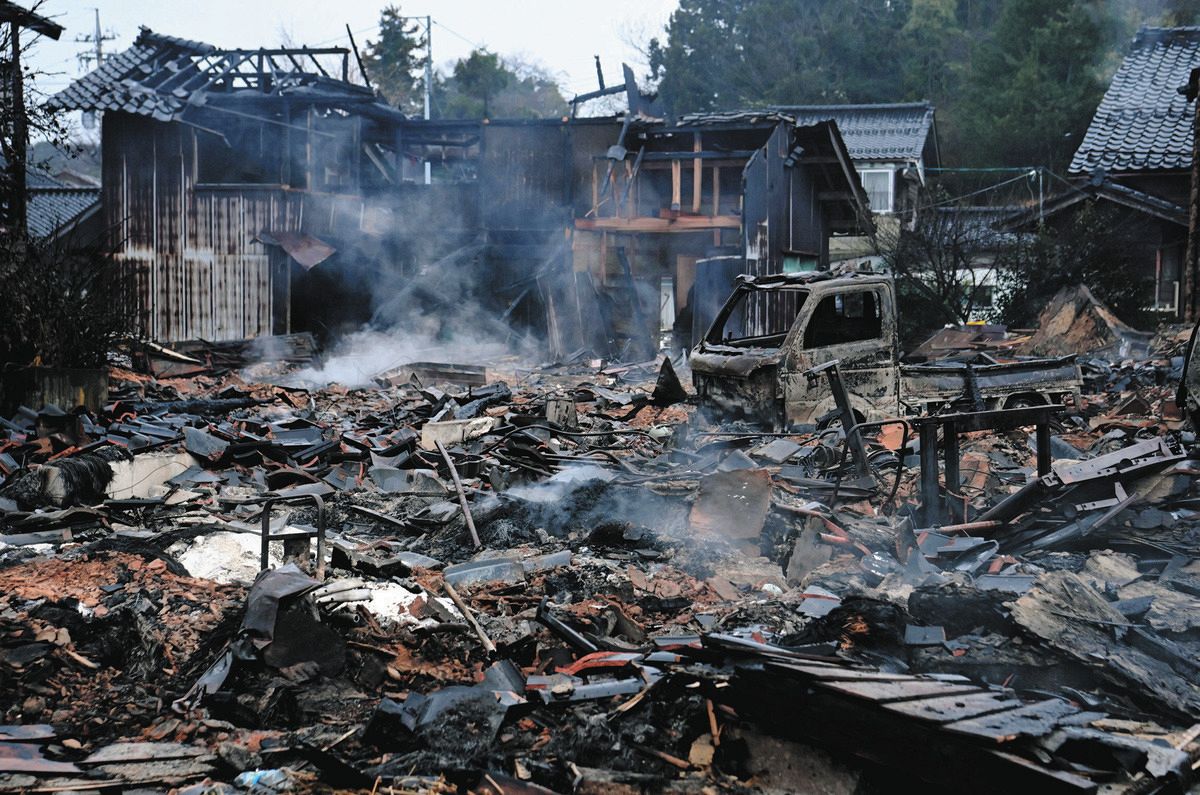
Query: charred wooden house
[
  {"x": 589, "y": 230},
  {"x": 260, "y": 191},
  {"x": 218, "y": 164}
]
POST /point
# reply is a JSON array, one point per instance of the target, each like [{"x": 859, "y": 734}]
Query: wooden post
[
  {"x": 595, "y": 190},
  {"x": 676, "y": 185},
  {"x": 697, "y": 174},
  {"x": 1190, "y": 264},
  {"x": 17, "y": 206}
]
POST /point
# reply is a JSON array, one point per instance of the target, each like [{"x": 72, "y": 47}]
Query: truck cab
[{"x": 751, "y": 362}]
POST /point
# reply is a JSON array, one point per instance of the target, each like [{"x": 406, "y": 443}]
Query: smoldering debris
[
  {"x": 655, "y": 604},
  {"x": 357, "y": 358}
]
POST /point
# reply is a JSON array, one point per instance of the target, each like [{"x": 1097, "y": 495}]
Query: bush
[
  {"x": 61, "y": 307},
  {"x": 1096, "y": 247}
]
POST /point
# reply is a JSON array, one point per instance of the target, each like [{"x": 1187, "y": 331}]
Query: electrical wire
[{"x": 972, "y": 194}]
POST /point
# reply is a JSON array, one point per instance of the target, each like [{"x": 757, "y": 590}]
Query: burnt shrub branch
[{"x": 61, "y": 305}]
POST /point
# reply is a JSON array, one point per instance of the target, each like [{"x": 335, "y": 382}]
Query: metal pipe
[
  {"x": 929, "y": 473},
  {"x": 1043, "y": 448},
  {"x": 264, "y": 558},
  {"x": 953, "y": 475}
]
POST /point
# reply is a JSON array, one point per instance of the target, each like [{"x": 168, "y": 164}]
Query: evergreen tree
[
  {"x": 752, "y": 52},
  {"x": 395, "y": 61},
  {"x": 1015, "y": 82},
  {"x": 934, "y": 43},
  {"x": 484, "y": 85},
  {"x": 1034, "y": 85}
]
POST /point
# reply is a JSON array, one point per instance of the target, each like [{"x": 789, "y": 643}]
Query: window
[
  {"x": 984, "y": 297},
  {"x": 757, "y": 317},
  {"x": 878, "y": 183},
  {"x": 845, "y": 317},
  {"x": 1167, "y": 278}
]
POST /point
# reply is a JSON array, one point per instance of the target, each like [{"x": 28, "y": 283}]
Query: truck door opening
[{"x": 845, "y": 317}]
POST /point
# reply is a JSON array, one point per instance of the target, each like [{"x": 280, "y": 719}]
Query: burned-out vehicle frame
[{"x": 773, "y": 329}]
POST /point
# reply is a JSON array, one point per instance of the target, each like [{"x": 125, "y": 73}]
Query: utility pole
[
  {"x": 428, "y": 86},
  {"x": 18, "y": 208},
  {"x": 18, "y": 18},
  {"x": 96, "y": 39}
]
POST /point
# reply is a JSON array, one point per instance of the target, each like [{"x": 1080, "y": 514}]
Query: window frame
[{"x": 891, "y": 187}]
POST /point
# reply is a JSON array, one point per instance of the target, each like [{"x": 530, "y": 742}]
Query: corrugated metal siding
[{"x": 202, "y": 274}]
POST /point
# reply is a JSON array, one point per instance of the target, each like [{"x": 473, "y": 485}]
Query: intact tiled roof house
[
  {"x": 1136, "y": 158},
  {"x": 1141, "y": 134},
  {"x": 891, "y": 145},
  {"x": 65, "y": 212}
]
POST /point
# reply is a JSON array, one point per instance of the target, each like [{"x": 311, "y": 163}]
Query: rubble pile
[{"x": 571, "y": 580}]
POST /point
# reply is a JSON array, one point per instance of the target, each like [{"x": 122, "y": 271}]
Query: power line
[
  {"x": 474, "y": 44},
  {"x": 981, "y": 191},
  {"x": 335, "y": 39}
]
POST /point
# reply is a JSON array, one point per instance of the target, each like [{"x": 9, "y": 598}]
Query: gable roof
[
  {"x": 127, "y": 81},
  {"x": 162, "y": 77},
  {"x": 1143, "y": 123},
  {"x": 896, "y": 131},
  {"x": 55, "y": 206}
]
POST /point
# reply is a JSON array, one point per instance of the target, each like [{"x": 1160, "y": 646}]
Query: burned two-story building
[
  {"x": 257, "y": 192},
  {"x": 219, "y": 164}
]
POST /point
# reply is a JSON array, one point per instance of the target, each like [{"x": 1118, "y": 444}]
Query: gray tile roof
[
  {"x": 897, "y": 131},
  {"x": 891, "y": 131},
  {"x": 128, "y": 81},
  {"x": 1106, "y": 190},
  {"x": 50, "y": 209},
  {"x": 1143, "y": 123}
]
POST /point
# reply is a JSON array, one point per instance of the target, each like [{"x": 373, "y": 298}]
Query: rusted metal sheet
[{"x": 201, "y": 272}]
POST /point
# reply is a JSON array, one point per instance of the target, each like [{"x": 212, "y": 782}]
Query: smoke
[
  {"x": 586, "y": 500},
  {"x": 358, "y": 357}
]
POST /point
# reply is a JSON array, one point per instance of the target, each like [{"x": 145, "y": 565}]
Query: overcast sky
[{"x": 560, "y": 35}]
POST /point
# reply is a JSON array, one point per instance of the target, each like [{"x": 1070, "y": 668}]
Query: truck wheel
[
  {"x": 1025, "y": 401},
  {"x": 835, "y": 421}
]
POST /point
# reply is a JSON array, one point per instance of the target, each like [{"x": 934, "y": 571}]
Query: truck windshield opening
[{"x": 757, "y": 318}]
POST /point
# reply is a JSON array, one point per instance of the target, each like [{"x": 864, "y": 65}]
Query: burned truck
[{"x": 753, "y": 362}]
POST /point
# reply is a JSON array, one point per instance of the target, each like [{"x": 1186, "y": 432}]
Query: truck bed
[{"x": 946, "y": 382}]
